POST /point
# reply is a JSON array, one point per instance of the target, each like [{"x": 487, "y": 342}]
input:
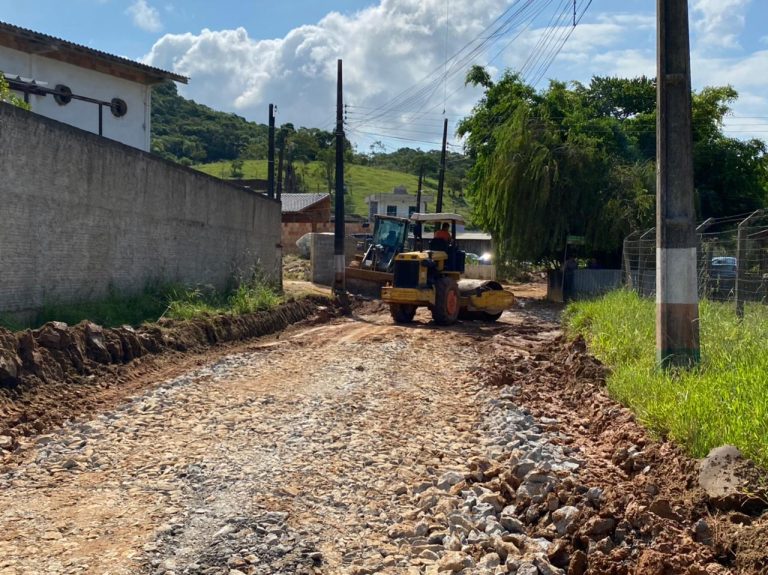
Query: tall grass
[
  {"x": 170, "y": 301},
  {"x": 722, "y": 401},
  {"x": 246, "y": 297}
]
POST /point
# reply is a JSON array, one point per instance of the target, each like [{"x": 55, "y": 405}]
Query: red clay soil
[{"x": 652, "y": 518}]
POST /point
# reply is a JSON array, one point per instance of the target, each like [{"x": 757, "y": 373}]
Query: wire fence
[{"x": 732, "y": 260}]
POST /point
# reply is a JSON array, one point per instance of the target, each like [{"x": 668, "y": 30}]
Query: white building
[
  {"x": 86, "y": 88},
  {"x": 397, "y": 203}
]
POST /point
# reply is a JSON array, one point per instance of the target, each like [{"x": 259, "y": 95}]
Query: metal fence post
[
  {"x": 643, "y": 258},
  {"x": 627, "y": 261},
  {"x": 703, "y": 256},
  {"x": 741, "y": 266}
]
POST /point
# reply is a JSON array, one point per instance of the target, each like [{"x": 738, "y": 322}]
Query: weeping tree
[
  {"x": 545, "y": 168},
  {"x": 580, "y": 160}
]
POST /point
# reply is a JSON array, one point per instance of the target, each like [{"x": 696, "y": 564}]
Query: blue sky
[{"x": 241, "y": 55}]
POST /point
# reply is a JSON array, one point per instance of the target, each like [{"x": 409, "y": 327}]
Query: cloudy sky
[{"x": 404, "y": 60}]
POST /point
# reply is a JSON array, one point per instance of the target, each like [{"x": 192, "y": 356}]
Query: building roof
[
  {"x": 466, "y": 236},
  {"x": 388, "y": 196},
  {"x": 32, "y": 42},
  {"x": 300, "y": 202},
  {"x": 481, "y": 236},
  {"x": 437, "y": 217}
]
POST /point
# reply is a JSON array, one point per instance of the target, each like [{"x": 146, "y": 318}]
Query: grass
[
  {"x": 246, "y": 298},
  {"x": 154, "y": 302},
  {"x": 362, "y": 181},
  {"x": 722, "y": 401}
]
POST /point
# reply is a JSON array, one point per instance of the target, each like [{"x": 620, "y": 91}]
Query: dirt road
[{"x": 355, "y": 446}]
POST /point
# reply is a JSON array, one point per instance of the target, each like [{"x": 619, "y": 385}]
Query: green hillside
[{"x": 361, "y": 181}]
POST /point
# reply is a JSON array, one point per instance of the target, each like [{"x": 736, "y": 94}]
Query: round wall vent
[
  {"x": 119, "y": 107},
  {"x": 63, "y": 95}
]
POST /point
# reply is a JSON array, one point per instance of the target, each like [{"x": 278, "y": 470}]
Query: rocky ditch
[
  {"x": 569, "y": 483},
  {"x": 605, "y": 497}
]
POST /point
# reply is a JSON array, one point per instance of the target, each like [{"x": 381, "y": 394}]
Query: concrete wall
[
  {"x": 132, "y": 129},
  {"x": 581, "y": 284},
  {"x": 480, "y": 271},
  {"x": 292, "y": 231},
  {"x": 82, "y": 213},
  {"x": 321, "y": 254}
]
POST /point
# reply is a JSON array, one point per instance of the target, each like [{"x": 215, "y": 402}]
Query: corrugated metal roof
[
  {"x": 299, "y": 202},
  {"x": 58, "y": 49}
]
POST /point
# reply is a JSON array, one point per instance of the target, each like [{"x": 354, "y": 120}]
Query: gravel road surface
[{"x": 355, "y": 446}]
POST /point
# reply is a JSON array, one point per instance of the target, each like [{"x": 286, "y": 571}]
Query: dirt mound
[
  {"x": 50, "y": 374},
  {"x": 638, "y": 505}
]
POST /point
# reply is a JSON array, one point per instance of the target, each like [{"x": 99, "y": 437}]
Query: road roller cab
[{"x": 431, "y": 277}]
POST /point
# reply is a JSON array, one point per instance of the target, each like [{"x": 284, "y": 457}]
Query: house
[
  {"x": 397, "y": 203},
  {"x": 86, "y": 88},
  {"x": 302, "y": 214},
  {"x": 312, "y": 213}
]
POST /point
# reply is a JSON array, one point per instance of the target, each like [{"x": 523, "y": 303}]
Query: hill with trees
[{"x": 231, "y": 147}]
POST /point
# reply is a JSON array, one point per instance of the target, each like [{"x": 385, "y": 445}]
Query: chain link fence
[{"x": 732, "y": 260}]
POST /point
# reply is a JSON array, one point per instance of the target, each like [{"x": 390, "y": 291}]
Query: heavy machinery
[
  {"x": 432, "y": 278},
  {"x": 373, "y": 268}
]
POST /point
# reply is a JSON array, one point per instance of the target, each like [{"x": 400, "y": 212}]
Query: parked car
[
  {"x": 722, "y": 276},
  {"x": 723, "y": 267},
  {"x": 471, "y": 259}
]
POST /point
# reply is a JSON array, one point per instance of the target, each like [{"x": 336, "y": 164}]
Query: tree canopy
[
  {"x": 7, "y": 96},
  {"x": 580, "y": 160}
]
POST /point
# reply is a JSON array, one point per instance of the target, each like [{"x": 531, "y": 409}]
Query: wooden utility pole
[
  {"x": 271, "y": 154},
  {"x": 338, "y": 239},
  {"x": 677, "y": 299},
  {"x": 441, "y": 180}
]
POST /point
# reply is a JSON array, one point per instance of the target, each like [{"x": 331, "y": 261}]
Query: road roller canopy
[{"x": 437, "y": 217}]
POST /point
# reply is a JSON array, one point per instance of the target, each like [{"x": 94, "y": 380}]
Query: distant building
[
  {"x": 303, "y": 214},
  {"x": 306, "y": 208},
  {"x": 80, "y": 86},
  {"x": 397, "y": 203}
]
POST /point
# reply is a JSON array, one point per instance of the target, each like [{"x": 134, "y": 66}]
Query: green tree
[
  {"x": 577, "y": 159},
  {"x": 236, "y": 168},
  {"x": 7, "y": 96}
]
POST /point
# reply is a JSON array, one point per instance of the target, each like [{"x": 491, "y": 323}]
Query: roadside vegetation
[
  {"x": 7, "y": 96},
  {"x": 723, "y": 401},
  {"x": 155, "y": 302}
]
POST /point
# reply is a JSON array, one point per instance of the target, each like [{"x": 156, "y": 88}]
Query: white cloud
[
  {"x": 385, "y": 49},
  {"x": 718, "y": 22},
  {"x": 395, "y": 45},
  {"x": 145, "y": 16}
]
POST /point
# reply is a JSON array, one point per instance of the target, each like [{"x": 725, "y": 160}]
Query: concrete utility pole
[
  {"x": 418, "y": 189},
  {"x": 441, "y": 180},
  {"x": 280, "y": 169},
  {"x": 271, "y": 153},
  {"x": 417, "y": 228},
  {"x": 338, "y": 239},
  {"x": 677, "y": 299}
]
